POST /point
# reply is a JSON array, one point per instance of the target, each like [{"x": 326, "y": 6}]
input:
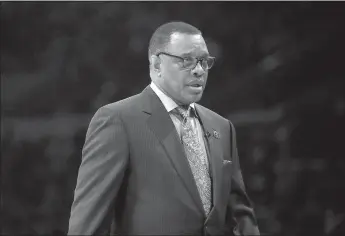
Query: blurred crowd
[{"x": 279, "y": 77}]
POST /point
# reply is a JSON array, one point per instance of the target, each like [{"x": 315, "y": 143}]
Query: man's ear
[{"x": 156, "y": 63}]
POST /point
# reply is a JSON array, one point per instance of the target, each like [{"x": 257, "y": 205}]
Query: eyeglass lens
[{"x": 206, "y": 63}]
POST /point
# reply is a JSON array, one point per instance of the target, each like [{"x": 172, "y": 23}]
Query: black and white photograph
[{"x": 199, "y": 118}]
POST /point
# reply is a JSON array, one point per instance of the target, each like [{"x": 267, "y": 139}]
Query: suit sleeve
[
  {"x": 240, "y": 208},
  {"x": 104, "y": 160}
]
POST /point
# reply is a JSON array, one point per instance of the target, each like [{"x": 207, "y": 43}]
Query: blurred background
[{"x": 279, "y": 77}]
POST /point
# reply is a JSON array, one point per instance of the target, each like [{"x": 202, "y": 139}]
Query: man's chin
[
  {"x": 195, "y": 98},
  {"x": 188, "y": 99}
]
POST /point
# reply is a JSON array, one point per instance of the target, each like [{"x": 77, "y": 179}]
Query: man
[{"x": 158, "y": 163}]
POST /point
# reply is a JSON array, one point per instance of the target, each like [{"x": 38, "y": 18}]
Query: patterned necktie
[{"x": 196, "y": 156}]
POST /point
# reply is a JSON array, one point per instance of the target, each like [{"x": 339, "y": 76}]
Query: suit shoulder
[
  {"x": 122, "y": 105},
  {"x": 118, "y": 108}
]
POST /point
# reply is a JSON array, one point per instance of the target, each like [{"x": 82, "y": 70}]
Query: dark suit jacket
[{"x": 135, "y": 176}]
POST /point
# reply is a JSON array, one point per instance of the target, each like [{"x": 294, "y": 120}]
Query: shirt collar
[{"x": 168, "y": 103}]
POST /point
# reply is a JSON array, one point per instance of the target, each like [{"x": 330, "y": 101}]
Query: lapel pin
[
  {"x": 216, "y": 134},
  {"x": 207, "y": 134}
]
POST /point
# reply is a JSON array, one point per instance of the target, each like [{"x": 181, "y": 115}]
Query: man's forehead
[
  {"x": 186, "y": 43},
  {"x": 177, "y": 37}
]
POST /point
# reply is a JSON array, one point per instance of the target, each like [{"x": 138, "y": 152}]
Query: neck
[{"x": 163, "y": 91}]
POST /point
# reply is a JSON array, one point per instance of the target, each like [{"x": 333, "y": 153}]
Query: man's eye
[{"x": 188, "y": 60}]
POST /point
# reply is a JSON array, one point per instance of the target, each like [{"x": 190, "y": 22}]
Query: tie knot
[{"x": 183, "y": 112}]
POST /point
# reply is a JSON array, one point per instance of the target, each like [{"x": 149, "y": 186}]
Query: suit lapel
[
  {"x": 215, "y": 152},
  {"x": 163, "y": 127}
]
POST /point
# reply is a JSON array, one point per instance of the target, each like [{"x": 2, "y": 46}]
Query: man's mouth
[{"x": 195, "y": 85}]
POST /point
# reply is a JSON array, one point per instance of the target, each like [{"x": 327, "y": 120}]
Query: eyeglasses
[{"x": 191, "y": 62}]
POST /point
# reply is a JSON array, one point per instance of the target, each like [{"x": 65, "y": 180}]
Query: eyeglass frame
[{"x": 198, "y": 59}]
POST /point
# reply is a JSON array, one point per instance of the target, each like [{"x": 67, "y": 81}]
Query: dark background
[{"x": 279, "y": 77}]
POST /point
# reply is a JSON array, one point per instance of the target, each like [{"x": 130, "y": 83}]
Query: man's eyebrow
[{"x": 186, "y": 54}]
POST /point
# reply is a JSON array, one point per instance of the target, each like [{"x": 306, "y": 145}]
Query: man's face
[{"x": 184, "y": 86}]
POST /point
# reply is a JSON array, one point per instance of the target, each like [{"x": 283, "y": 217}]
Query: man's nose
[{"x": 198, "y": 71}]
